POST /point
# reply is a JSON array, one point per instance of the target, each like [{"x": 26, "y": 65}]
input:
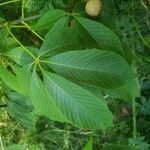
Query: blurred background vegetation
[{"x": 130, "y": 20}]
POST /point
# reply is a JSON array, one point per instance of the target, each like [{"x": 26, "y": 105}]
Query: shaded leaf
[
  {"x": 99, "y": 34},
  {"x": 49, "y": 18},
  {"x": 20, "y": 108}
]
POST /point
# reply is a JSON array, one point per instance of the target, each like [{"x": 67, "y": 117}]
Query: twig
[
  {"x": 22, "y": 9},
  {"x": 134, "y": 118},
  {"x": 33, "y": 31},
  {"x": 1, "y": 143},
  {"x": 12, "y": 35},
  {"x": 18, "y": 21},
  {"x": 9, "y": 2},
  {"x": 133, "y": 99}
]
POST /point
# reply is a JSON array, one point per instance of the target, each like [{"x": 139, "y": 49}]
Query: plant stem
[
  {"x": 18, "y": 21},
  {"x": 133, "y": 99},
  {"x": 18, "y": 26},
  {"x": 8, "y": 2},
  {"x": 134, "y": 118},
  {"x": 20, "y": 42},
  {"x": 1, "y": 143},
  {"x": 32, "y": 31},
  {"x": 22, "y": 9}
]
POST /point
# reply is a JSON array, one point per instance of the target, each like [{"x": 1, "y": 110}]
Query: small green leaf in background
[
  {"x": 89, "y": 144},
  {"x": 34, "y": 147},
  {"x": 20, "y": 108},
  {"x": 16, "y": 147},
  {"x": 119, "y": 147}
]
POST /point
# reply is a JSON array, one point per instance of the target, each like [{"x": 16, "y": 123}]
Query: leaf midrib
[
  {"x": 45, "y": 92},
  {"x": 79, "y": 68},
  {"x": 99, "y": 43}
]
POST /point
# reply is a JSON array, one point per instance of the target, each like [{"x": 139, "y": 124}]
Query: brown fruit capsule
[{"x": 93, "y": 7}]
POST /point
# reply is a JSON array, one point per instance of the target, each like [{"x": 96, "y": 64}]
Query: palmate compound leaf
[
  {"x": 99, "y": 34},
  {"x": 79, "y": 106},
  {"x": 101, "y": 68}
]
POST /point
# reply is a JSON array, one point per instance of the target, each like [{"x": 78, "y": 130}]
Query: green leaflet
[
  {"x": 43, "y": 102},
  {"x": 19, "y": 56},
  {"x": 100, "y": 68},
  {"x": 20, "y": 108},
  {"x": 3, "y": 33},
  {"x": 9, "y": 78},
  {"x": 46, "y": 46},
  {"x": 48, "y": 19},
  {"x": 61, "y": 38},
  {"x": 19, "y": 82},
  {"x": 79, "y": 106},
  {"x": 7, "y": 43},
  {"x": 127, "y": 92},
  {"x": 95, "y": 32}
]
